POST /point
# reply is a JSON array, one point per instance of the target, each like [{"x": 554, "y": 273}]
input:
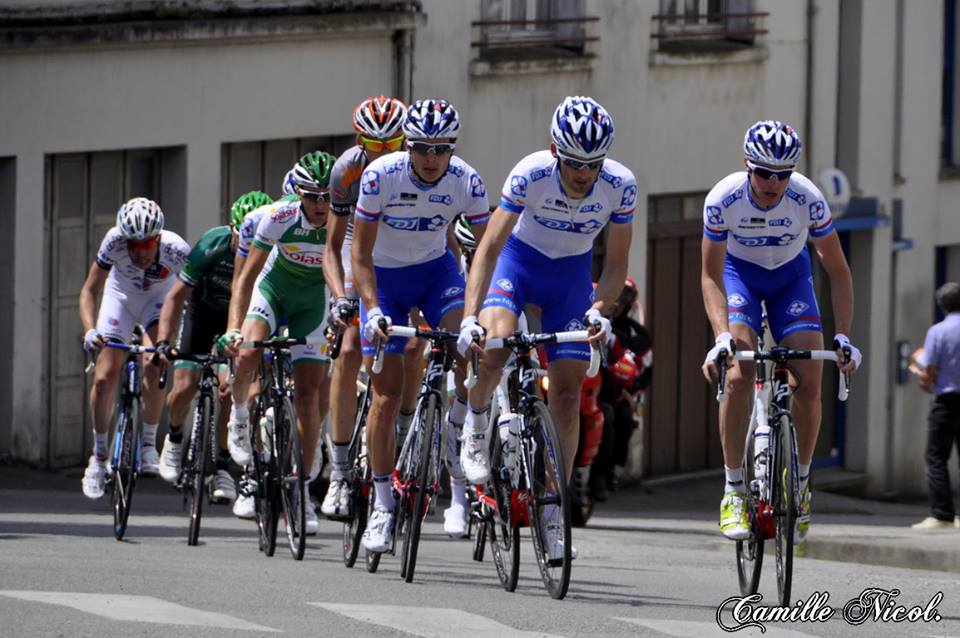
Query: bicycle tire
[
  {"x": 371, "y": 559},
  {"x": 784, "y": 493},
  {"x": 428, "y": 418},
  {"x": 502, "y": 533},
  {"x": 544, "y": 467},
  {"x": 750, "y": 551},
  {"x": 359, "y": 487},
  {"x": 266, "y": 497},
  {"x": 292, "y": 487},
  {"x": 200, "y": 445},
  {"x": 124, "y": 470}
]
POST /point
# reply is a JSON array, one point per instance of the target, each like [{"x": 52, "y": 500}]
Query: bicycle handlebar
[
  {"x": 780, "y": 355},
  {"x": 532, "y": 340},
  {"x": 132, "y": 349}
]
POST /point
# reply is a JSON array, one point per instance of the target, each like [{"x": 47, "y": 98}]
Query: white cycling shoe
[
  {"x": 94, "y": 478},
  {"x": 224, "y": 488},
  {"x": 238, "y": 442},
  {"x": 336, "y": 504},
  {"x": 455, "y": 520},
  {"x": 376, "y": 538},
  {"x": 473, "y": 458},
  {"x": 170, "y": 459},
  {"x": 245, "y": 507},
  {"x": 149, "y": 460},
  {"x": 311, "y": 521}
]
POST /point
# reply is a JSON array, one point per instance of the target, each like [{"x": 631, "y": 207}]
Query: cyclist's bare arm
[
  {"x": 615, "y": 266},
  {"x": 238, "y": 262},
  {"x": 841, "y": 282},
  {"x": 240, "y": 295},
  {"x": 490, "y": 240},
  {"x": 361, "y": 254},
  {"x": 89, "y": 293},
  {"x": 172, "y": 308},
  {"x": 332, "y": 259},
  {"x": 711, "y": 282}
]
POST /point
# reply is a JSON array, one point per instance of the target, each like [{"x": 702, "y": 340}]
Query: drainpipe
[
  {"x": 403, "y": 64},
  {"x": 808, "y": 97}
]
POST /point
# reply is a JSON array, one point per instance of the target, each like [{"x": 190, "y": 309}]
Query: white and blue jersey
[
  {"x": 414, "y": 267},
  {"x": 767, "y": 259},
  {"x": 248, "y": 228},
  {"x": 546, "y": 261}
]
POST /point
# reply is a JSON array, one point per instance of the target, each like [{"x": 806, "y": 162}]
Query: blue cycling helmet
[
  {"x": 772, "y": 143},
  {"x": 432, "y": 118},
  {"x": 581, "y": 128},
  {"x": 289, "y": 182}
]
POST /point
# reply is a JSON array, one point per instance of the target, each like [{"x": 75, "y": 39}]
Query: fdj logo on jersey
[
  {"x": 477, "y": 188},
  {"x": 584, "y": 228},
  {"x": 714, "y": 216},
  {"x": 370, "y": 183},
  {"x": 427, "y": 224},
  {"x": 518, "y": 185},
  {"x": 817, "y": 211},
  {"x": 629, "y": 196},
  {"x": 446, "y": 200}
]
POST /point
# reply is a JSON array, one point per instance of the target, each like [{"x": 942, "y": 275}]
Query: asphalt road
[{"x": 63, "y": 574}]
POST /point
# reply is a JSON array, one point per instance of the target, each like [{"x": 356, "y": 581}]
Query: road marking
[
  {"x": 693, "y": 629},
  {"x": 430, "y": 622},
  {"x": 137, "y": 609}
]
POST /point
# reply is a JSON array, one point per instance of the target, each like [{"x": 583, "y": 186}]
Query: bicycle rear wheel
[
  {"x": 124, "y": 468},
  {"x": 427, "y": 422},
  {"x": 503, "y": 535},
  {"x": 750, "y": 551},
  {"x": 548, "y": 505},
  {"x": 200, "y": 451},
  {"x": 292, "y": 487},
  {"x": 785, "y": 507}
]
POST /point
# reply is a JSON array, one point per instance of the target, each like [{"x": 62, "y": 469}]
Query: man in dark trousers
[{"x": 938, "y": 370}]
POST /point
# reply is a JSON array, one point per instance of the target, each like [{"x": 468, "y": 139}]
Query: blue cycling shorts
[
  {"x": 786, "y": 290},
  {"x": 562, "y": 288},
  {"x": 435, "y": 287}
]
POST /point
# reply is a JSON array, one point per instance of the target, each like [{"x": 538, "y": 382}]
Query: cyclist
[
  {"x": 378, "y": 122},
  {"x": 202, "y": 297},
  {"x": 283, "y": 276},
  {"x": 538, "y": 251},
  {"x": 135, "y": 267},
  {"x": 401, "y": 261},
  {"x": 768, "y": 211}
]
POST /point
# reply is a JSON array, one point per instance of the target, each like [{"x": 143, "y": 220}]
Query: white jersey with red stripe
[
  {"x": 126, "y": 277},
  {"x": 414, "y": 216},
  {"x": 767, "y": 237},
  {"x": 555, "y": 224}
]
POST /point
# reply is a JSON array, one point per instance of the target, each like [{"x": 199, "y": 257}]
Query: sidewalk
[{"x": 842, "y": 528}]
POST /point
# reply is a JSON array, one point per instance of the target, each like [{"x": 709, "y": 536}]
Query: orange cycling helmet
[{"x": 380, "y": 118}]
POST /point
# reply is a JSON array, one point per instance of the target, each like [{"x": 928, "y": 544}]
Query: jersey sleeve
[
  {"x": 370, "y": 201},
  {"x": 623, "y": 213},
  {"x": 513, "y": 197},
  {"x": 248, "y": 230},
  {"x": 198, "y": 262},
  {"x": 107, "y": 253},
  {"x": 714, "y": 223},
  {"x": 476, "y": 206},
  {"x": 271, "y": 227},
  {"x": 342, "y": 196},
  {"x": 821, "y": 219}
]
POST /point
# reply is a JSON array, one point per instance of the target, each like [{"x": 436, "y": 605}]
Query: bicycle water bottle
[
  {"x": 266, "y": 433},
  {"x": 508, "y": 426},
  {"x": 761, "y": 441}
]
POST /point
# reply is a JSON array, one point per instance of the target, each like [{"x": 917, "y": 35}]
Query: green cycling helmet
[
  {"x": 464, "y": 233},
  {"x": 312, "y": 172},
  {"x": 246, "y": 204}
]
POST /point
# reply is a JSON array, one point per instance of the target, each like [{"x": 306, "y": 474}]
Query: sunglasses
[
  {"x": 377, "y": 146},
  {"x": 316, "y": 197},
  {"x": 143, "y": 245},
  {"x": 424, "y": 148},
  {"x": 577, "y": 165},
  {"x": 766, "y": 173}
]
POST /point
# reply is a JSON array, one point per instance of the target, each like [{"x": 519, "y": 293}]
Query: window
[
  {"x": 512, "y": 29},
  {"x": 693, "y": 26},
  {"x": 262, "y": 165},
  {"x": 950, "y": 108}
]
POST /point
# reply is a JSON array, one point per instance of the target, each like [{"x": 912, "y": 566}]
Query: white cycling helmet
[
  {"x": 433, "y": 118},
  {"x": 581, "y": 128},
  {"x": 139, "y": 219},
  {"x": 772, "y": 143}
]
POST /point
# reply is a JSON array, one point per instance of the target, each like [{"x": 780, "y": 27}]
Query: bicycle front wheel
[
  {"x": 784, "y": 481},
  {"x": 353, "y": 529},
  {"x": 267, "y": 494},
  {"x": 292, "y": 487},
  {"x": 549, "y": 505},
  {"x": 124, "y": 468},
  {"x": 200, "y": 450},
  {"x": 503, "y": 534},
  {"x": 427, "y": 422}
]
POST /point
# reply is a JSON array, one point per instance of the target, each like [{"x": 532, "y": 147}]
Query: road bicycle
[
  {"x": 773, "y": 497},
  {"x": 527, "y": 485}
]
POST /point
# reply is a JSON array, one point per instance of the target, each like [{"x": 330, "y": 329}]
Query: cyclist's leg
[
  {"x": 115, "y": 322},
  {"x": 413, "y": 369},
  {"x": 563, "y": 399},
  {"x": 310, "y": 378},
  {"x": 805, "y": 406},
  {"x": 256, "y": 326},
  {"x": 343, "y": 407}
]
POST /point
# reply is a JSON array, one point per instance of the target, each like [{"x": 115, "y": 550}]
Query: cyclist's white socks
[
  {"x": 383, "y": 489},
  {"x": 458, "y": 491},
  {"x": 477, "y": 422},
  {"x": 458, "y": 411},
  {"x": 341, "y": 461},
  {"x": 150, "y": 434},
  {"x": 803, "y": 470},
  {"x": 734, "y": 480},
  {"x": 404, "y": 419},
  {"x": 100, "y": 445},
  {"x": 239, "y": 413}
]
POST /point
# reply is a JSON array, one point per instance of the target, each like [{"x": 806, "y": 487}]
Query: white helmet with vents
[{"x": 139, "y": 219}]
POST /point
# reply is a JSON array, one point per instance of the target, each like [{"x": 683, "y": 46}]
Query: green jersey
[
  {"x": 298, "y": 246},
  {"x": 209, "y": 269}
]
